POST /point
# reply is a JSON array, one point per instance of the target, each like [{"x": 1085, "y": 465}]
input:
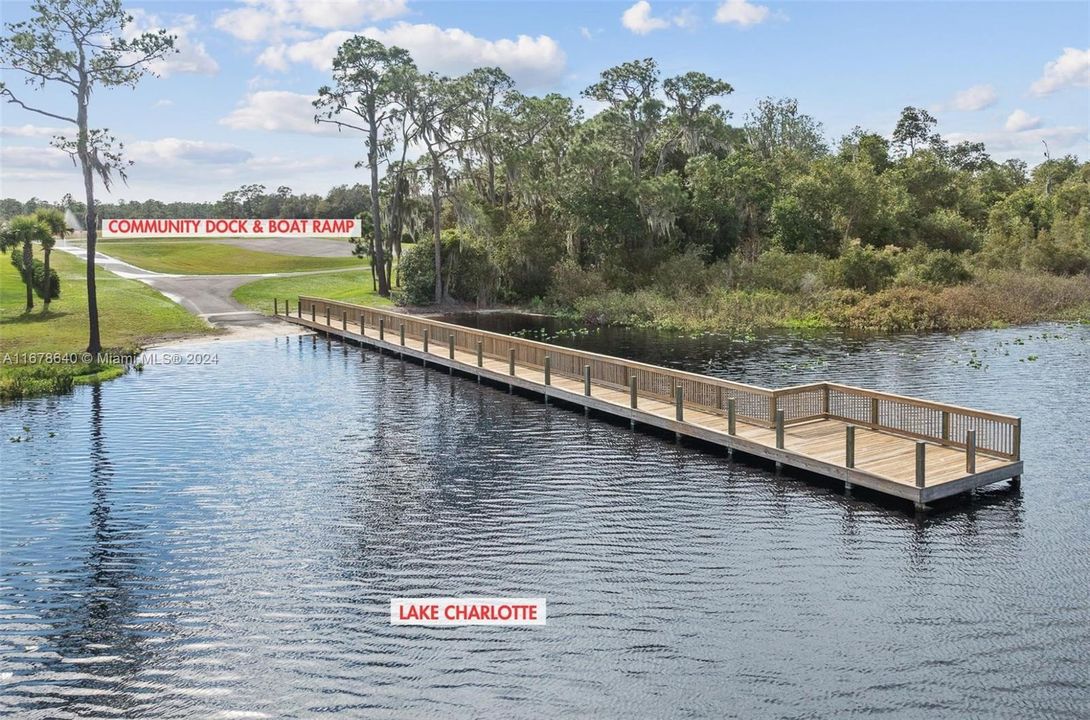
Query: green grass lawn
[
  {"x": 353, "y": 287},
  {"x": 131, "y": 315},
  {"x": 201, "y": 258}
]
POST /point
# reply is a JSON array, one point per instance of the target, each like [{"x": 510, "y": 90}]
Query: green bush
[
  {"x": 1059, "y": 257},
  {"x": 417, "y": 274},
  {"x": 865, "y": 268},
  {"x": 571, "y": 282},
  {"x": 688, "y": 273},
  {"x": 935, "y": 267},
  {"x": 775, "y": 269},
  {"x": 38, "y": 280},
  {"x": 947, "y": 230}
]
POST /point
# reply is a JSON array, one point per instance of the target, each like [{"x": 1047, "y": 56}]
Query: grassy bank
[
  {"x": 131, "y": 315},
  {"x": 201, "y": 258},
  {"x": 353, "y": 287},
  {"x": 993, "y": 299}
]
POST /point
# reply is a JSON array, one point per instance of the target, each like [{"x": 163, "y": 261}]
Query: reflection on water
[{"x": 223, "y": 541}]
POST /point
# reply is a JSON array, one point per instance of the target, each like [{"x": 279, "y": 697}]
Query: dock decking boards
[{"x": 960, "y": 448}]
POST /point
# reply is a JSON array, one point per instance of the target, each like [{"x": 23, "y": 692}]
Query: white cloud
[
  {"x": 975, "y": 98},
  {"x": 34, "y": 158},
  {"x": 175, "y": 151},
  {"x": 531, "y": 61},
  {"x": 1020, "y": 120},
  {"x": 1026, "y": 144},
  {"x": 741, "y": 12},
  {"x": 277, "y": 111},
  {"x": 164, "y": 103},
  {"x": 1071, "y": 69},
  {"x": 586, "y": 33},
  {"x": 275, "y": 20},
  {"x": 638, "y": 19},
  {"x": 33, "y": 131},
  {"x": 191, "y": 56}
]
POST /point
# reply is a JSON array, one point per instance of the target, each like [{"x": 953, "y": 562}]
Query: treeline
[
  {"x": 526, "y": 198},
  {"x": 249, "y": 201}
]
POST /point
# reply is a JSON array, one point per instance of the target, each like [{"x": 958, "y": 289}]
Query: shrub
[
  {"x": 571, "y": 282},
  {"x": 38, "y": 279},
  {"x": 787, "y": 272},
  {"x": 935, "y": 267},
  {"x": 687, "y": 274},
  {"x": 947, "y": 230},
  {"x": 865, "y": 268},
  {"x": 1058, "y": 257},
  {"x": 417, "y": 274}
]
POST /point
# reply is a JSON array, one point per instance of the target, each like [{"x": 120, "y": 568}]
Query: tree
[
  {"x": 777, "y": 131},
  {"x": 629, "y": 89},
  {"x": 488, "y": 88},
  {"x": 914, "y": 128},
  {"x": 435, "y": 104},
  {"x": 79, "y": 45},
  {"x": 369, "y": 84},
  {"x": 25, "y": 231},
  {"x": 693, "y": 123},
  {"x": 54, "y": 220}
]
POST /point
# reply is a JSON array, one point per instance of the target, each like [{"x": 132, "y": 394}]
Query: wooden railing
[{"x": 996, "y": 434}]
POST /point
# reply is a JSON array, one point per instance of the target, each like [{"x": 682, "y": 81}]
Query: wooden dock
[{"x": 905, "y": 447}]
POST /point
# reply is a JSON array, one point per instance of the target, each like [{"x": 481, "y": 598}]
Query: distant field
[
  {"x": 352, "y": 287},
  {"x": 211, "y": 258}
]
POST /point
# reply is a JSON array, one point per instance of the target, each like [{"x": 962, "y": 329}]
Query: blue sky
[{"x": 232, "y": 107}]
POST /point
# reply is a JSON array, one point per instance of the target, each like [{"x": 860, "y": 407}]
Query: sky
[{"x": 233, "y": 106}]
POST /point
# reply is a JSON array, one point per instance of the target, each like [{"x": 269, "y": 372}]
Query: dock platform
[{"x": 917, "y": 450}]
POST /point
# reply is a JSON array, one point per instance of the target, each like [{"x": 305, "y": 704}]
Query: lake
[{"x": 222, "y": 540}]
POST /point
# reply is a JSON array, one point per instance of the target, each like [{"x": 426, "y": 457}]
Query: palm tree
[
  {"x": 54, "y": 220},
  {"x": 25, "y": 230}
]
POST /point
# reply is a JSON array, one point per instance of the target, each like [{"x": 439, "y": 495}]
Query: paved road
[{"x": 206, "y": 296}]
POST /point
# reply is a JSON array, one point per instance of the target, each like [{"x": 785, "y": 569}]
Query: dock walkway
[{"x": 906, "y": 447}]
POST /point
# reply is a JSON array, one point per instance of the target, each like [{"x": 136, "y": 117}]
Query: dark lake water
[{"x": 223, "y": 541}]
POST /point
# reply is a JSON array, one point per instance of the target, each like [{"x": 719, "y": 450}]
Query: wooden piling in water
[
  {"x": 921, "y": 463},
  {"x": 970, "y": 451},
  {"x": 779, "y": 429},
  {"x": 849, "y": 446}
]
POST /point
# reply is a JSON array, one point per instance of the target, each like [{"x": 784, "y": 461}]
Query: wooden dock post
[
  {"x": 480, "y": 353},
  {"x": 731, "y": 417},
  {"x": 548, "y": 377},
  {"x": 874, "y": 412},
  {"x": 401, "y": 333},
  {"x": 945, "y": 425},
  {"x": 586, "y": 380},
  {"x": 276, "y": 306},
  {"x": 511, "y": 361},
  {"x": 450, "y": 351},
  {"x": 921, "y": 462},
  {"x": 382, "y": 328},
  {"x": 344, "y": 321},
  {"x": 849, "y": 446},
  {"x": 312, "y": 311},
  {"x": 633, "y": 399},
  {"x": 425, "y": 341},
  {"x": 327, "y": 318},
  {"x": 970, "y": 451},
  {"x": 299, "y": 310},
  {"x": 779, "y": 429},
  {"x": 679, "y": 409}
]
